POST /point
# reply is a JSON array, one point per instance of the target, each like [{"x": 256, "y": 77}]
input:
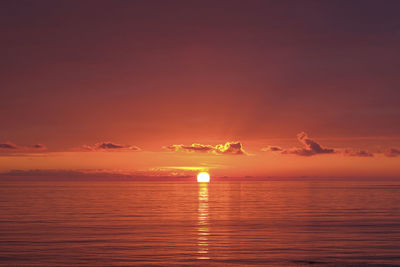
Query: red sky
[{"x": 120, "y": 85}]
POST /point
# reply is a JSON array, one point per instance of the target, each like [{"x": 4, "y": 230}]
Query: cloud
[
  {"x": 99, "y": 174},
  {"x": 8, "y": 146},
  {"x": 272, "y": 149},
  {"x": 234, "y": 148},
  {"x": 358, "y": 153},
  {"x": 39, "y": 147},
  {"x": 229, "y": 148},
  {"x": 310, "y": 147},
  {"x": 392, "y": 152},
  {"x": 190, "y": 148},
  {"x": 11, "y": 147},
  {"x": 109, "y": 146}
]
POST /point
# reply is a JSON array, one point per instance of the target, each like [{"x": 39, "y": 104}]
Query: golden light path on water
[{"x": 203, "y": 223}]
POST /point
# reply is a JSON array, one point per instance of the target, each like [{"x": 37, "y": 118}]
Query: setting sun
[{"x": 203, "y": 177}]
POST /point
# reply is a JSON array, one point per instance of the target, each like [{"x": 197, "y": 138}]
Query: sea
[{"x": 240, "y": 223}]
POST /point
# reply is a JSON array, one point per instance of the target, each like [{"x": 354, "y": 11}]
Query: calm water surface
[{"x": 276, "y": 223}]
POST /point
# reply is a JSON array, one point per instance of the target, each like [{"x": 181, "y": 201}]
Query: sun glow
[{"x": 203, "y": 177}]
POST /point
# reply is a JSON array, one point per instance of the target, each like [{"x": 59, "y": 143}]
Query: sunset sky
[{"x": 170, "y": 88}]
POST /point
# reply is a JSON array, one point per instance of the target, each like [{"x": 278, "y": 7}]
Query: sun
[{"x": 203, "y": 177}]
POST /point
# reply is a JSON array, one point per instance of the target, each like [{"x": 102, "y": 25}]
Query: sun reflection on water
[{"x": 203, "y": 223}]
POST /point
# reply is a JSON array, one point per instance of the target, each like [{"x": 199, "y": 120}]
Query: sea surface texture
[{"x": 275, "y": 223}]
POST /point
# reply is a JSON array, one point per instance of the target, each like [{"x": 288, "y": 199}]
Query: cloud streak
[
  {"x": 109, "y": 146},
  {"x": 272, "y": 149},
  {"x": 93, "y": 174},
  {"x": 229, "y": 148},
  {"x": 357, "y": 153},
  {"x": 11, "y": 147},
  {"x": 392, "y": 152}
]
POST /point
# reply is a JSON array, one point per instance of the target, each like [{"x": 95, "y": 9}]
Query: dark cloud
[
  {"x": 109, "y": 146},
  {"x": 39, "y": 147},
  {"x": 358, "y": 153},
  {"x": 8, "y": 146},
  {"x": 272, "y": 149},
  {"x": 310, "y": 147},
  {"x": 229, "y": 148},
  {"x": 11, "y": 147},
  {"x": 392, "y": 152}
]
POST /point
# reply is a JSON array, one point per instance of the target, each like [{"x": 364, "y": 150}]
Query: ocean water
[{"x": 275, "y": 223}]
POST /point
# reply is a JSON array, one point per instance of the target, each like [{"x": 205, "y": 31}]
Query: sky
[{"x": 170, "y": 88}]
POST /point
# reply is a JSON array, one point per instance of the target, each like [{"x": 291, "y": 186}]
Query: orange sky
[
  {"x": 100, "y": 86},
  {"x": 227, "y": 160}
]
